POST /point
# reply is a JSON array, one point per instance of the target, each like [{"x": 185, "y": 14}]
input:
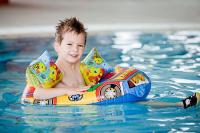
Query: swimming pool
[{"x": 172, "y": 61}]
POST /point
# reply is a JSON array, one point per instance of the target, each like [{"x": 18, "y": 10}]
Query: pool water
[{"x": 172, "y": 61}]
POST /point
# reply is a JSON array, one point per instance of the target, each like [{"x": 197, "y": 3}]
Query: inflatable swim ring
[{"x": 131, "y": 85}]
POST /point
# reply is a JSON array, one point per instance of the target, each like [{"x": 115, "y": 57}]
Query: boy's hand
[
  {"x": 82, "y": 89},
  {"x": 119, "y": 69},
  {"x": 74, "y": 92}
]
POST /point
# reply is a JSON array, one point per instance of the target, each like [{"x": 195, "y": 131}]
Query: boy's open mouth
[{"x": 74, "y": 55}]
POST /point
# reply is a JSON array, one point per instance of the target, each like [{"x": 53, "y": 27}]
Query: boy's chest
[{"x": 71, "y": 82}]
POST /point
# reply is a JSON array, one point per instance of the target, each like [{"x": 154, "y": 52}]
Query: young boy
[{"x": 70, "y": 41}]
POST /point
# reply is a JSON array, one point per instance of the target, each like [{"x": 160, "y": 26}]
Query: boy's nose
[{"x": 75, "y": 48}]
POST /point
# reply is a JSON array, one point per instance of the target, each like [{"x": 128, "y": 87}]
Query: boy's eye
[
  {"x": 81, "y": 45},
  {"x": 69, "y": 44}
]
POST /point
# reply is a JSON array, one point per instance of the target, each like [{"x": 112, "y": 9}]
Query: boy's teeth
[{"x": 74, "y": 55}]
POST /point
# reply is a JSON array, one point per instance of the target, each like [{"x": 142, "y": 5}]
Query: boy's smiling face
[{"x": 72, "y": 47}]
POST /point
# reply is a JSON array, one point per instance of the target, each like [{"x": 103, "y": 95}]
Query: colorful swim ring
[{"x": 130, "y": 85}]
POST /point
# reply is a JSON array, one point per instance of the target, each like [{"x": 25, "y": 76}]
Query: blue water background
[{"x": 171, "y": 60}]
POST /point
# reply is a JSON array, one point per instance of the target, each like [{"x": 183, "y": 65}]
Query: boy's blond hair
[{"x": 69, "y": 25}]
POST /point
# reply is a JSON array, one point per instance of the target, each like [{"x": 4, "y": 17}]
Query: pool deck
[{"x": 27, "y": 17}]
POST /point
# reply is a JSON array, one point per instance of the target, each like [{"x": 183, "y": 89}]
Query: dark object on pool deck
[{"x": 4, "y": 2}]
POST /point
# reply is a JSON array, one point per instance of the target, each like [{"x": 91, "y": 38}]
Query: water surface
[{"x": 172, "y": 61}]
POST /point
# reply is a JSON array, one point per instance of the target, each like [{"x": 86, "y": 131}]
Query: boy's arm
[
  {"x": 25, "y": 92},
  {"x": 41, "y": 93}
]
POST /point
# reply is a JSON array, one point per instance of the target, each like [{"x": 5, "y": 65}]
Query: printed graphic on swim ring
[
  {"x": 109, "y": 91},
  {"x": 76, "y": 97}
]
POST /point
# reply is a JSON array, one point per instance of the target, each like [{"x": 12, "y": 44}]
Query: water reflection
[{"x": 80, "y": 116}]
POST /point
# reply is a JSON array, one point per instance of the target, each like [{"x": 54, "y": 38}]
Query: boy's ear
[{"x": 56, "y": 46}]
